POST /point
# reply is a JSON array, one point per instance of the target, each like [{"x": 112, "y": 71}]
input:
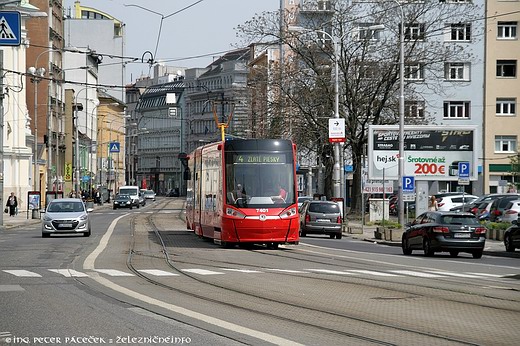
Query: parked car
[
  {"x": 511, "y": 211},
  {"x": 512, "y": 237},
  {"x": 124, "y": 201},
  {"x": 66, "y": 215},
  {"x": 302, "y": 199},
  {"x": 482, "y": 211},
  {"x": 437, "y": 231},
  {"x": 173, "y": 193},
  {"x": 320, "y": 217},
  {"x": 149, "y": 194},
  {"x": 447, "y": 202},
  {"x": 497, "y": 208},
  {"x": 142, "y": 199},
  {"x": 473, "y": 205}
]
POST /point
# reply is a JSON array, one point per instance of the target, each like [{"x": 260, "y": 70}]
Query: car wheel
[
  {"x": 115, "y": 208},
  {"x": 138, "y": 205},
  {"x": 477, "y": 254},
  {"x": 454, "y": 253},
  {"x": 46, "y": 235},
  {"x": 427, "y": 248},
  {"x": 406, "y": 249},
  {"x": 87, "y": 234},
  {"x": 332, "y": 236},
  {"x": 339, "y": 236},
  {"x": 130, "y": 207},
  {"x": 509, "y": 244}
]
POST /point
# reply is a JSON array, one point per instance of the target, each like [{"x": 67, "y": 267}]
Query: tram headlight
[
  {"x": 235, "y": 213},
  {"x": 288, "y": 213}
]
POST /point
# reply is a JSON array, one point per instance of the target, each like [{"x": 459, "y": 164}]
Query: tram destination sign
[
  {"x": 430, "y": 153},
  {"x": 259, "y": 158}
]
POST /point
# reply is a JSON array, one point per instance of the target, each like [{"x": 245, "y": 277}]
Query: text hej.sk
[{"x": 386, "y": 159}]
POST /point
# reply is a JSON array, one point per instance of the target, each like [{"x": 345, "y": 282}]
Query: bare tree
[{"x": 369, "y": 69}]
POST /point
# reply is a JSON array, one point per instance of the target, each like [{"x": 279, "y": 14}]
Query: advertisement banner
[{"x": 430, "y": 153}]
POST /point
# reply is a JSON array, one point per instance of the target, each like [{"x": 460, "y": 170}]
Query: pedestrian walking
[
  {"x": 12, "y": 204},
  {"x": 432, "y": 205}
]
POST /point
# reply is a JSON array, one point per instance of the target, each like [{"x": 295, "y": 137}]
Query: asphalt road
[{"x": 142, "y": 274}]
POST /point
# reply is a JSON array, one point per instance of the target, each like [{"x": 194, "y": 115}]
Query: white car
[
  {"x": 447, "y": 202},
  {"x": 66, "y": 215},
  {"x": 511, "y": 211}
]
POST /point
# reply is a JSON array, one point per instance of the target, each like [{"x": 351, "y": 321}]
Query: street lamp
[
  {"x": 37, "y": 74},
  {"x": 336, "y": 174},
  {"x": 401, "y": 115}
]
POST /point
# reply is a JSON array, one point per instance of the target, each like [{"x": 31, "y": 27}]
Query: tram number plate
[
  {"x": 462, "y": 235},
  {"x": 322, "y": 220}
]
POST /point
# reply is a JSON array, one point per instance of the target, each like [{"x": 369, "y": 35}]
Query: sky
[{"x": 201, "y": 27}]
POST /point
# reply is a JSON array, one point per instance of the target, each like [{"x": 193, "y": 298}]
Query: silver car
[
  {"x": 320, "y": 217},
  {"x": 66, "y": 215}
]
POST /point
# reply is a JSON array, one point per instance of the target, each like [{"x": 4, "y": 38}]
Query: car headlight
[
  {"x": 83, "y": 217},
  {"x": 46, "y": 218}
]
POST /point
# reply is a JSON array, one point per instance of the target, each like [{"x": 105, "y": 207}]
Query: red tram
[{"x": 243, "y": 191}]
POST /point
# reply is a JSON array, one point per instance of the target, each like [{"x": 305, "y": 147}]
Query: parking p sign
[
  {"x": 463, "y": 169},
  {"x": 408, "y": 184}
]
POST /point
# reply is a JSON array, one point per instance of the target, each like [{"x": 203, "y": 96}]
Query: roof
[{"x": 155, "y": 95}]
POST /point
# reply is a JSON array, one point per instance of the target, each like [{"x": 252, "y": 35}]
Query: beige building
[{"x": 502, "y": 92}]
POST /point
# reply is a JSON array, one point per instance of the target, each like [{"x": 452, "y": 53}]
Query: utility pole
[{"x": 1, "y": 137}]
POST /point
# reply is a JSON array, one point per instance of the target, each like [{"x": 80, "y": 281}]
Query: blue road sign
[
  {"x": 408, "y": 184},
  {"x": 463, "y": 169},
  {"x": 10, "y": 28},
  {"x": 114, "y": 147}
]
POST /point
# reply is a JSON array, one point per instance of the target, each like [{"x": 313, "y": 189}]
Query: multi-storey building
[
  {"x": 44, "y": 92},
  {"x": 443, "y": 65},
  {"x": 502, "y": 92}
]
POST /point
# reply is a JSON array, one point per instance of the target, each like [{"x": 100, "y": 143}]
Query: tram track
[{"x": 304, "y": 310}]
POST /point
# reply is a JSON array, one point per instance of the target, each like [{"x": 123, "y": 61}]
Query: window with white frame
[
  {"x": 506, "y": 68},
  {"x": 414, "y": 71},
  {"x": 458, "y": 32},
  {"x": 364, "y": 33},
  {"x": 506, "y": 30},
  {"x": 414, "y": 109},
  {"x": 456, "y": 71},
  {"x": 505, "y": 144},
  {"x": 414, "y": 31},
  {"x": 506, "y": 107},
  {"x": 456, "y": 110}
]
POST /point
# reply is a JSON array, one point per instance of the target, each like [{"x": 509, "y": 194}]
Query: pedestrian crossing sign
[
  {"x": 114, "y": 147},
  {"x": 10, "y": 28}
]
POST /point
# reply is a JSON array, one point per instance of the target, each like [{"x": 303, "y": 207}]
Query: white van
[{"x": 132, "y": 191}]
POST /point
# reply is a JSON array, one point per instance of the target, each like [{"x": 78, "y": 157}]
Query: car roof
[{"x": 66, "y": 200}]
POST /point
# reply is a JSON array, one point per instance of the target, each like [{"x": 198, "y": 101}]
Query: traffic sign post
[
  {"x": 10, "y": 28},
  {"x": 408, "y": 184}
]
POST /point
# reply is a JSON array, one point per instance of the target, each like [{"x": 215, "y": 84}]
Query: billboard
[{"x": 430, "y": 152}]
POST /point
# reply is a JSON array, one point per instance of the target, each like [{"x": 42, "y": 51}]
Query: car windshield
[
  {"x": 327, "y": 208},
  {"x": 123, "y": 197},
  {"x": 459, "y": 220},
  {"x": 148, "y": 192},
  {"x": 66, "y": 207}
]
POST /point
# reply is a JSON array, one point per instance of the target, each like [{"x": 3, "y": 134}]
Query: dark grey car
[
  {"x": 438, "y": 231},
  {"x": 320, "y": 217}
]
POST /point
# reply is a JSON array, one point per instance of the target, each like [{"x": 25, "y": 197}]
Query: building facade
[{"x": 502, "y": 92}]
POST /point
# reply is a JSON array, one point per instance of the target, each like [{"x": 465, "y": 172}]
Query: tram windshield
[{"x": 256, "y": 180}]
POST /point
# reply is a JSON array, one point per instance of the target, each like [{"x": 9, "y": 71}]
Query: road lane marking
[
  {"x": 11, "y": 288},
  {"x": 113, "y": 272},
  {"x": 370, "y": 272},
  {"x": 23, "y": 273},
  {"x": 157, "y": 272},
  {"x": 69, "y": 273},
  {"x": 247, "y": 271},
  {"x": 286, "y": 271},
  {"x": 419, "y": 274},
  {"x": 327, "y": 271},
  {"x": 459, "y": 275},
  {"x": 201, "y": 271}
]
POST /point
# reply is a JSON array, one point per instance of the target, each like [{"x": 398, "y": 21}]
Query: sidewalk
[{"x": 356, "y": 230}]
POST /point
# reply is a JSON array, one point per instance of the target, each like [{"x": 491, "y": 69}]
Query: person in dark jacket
[{"x": 12, "y": 204}]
